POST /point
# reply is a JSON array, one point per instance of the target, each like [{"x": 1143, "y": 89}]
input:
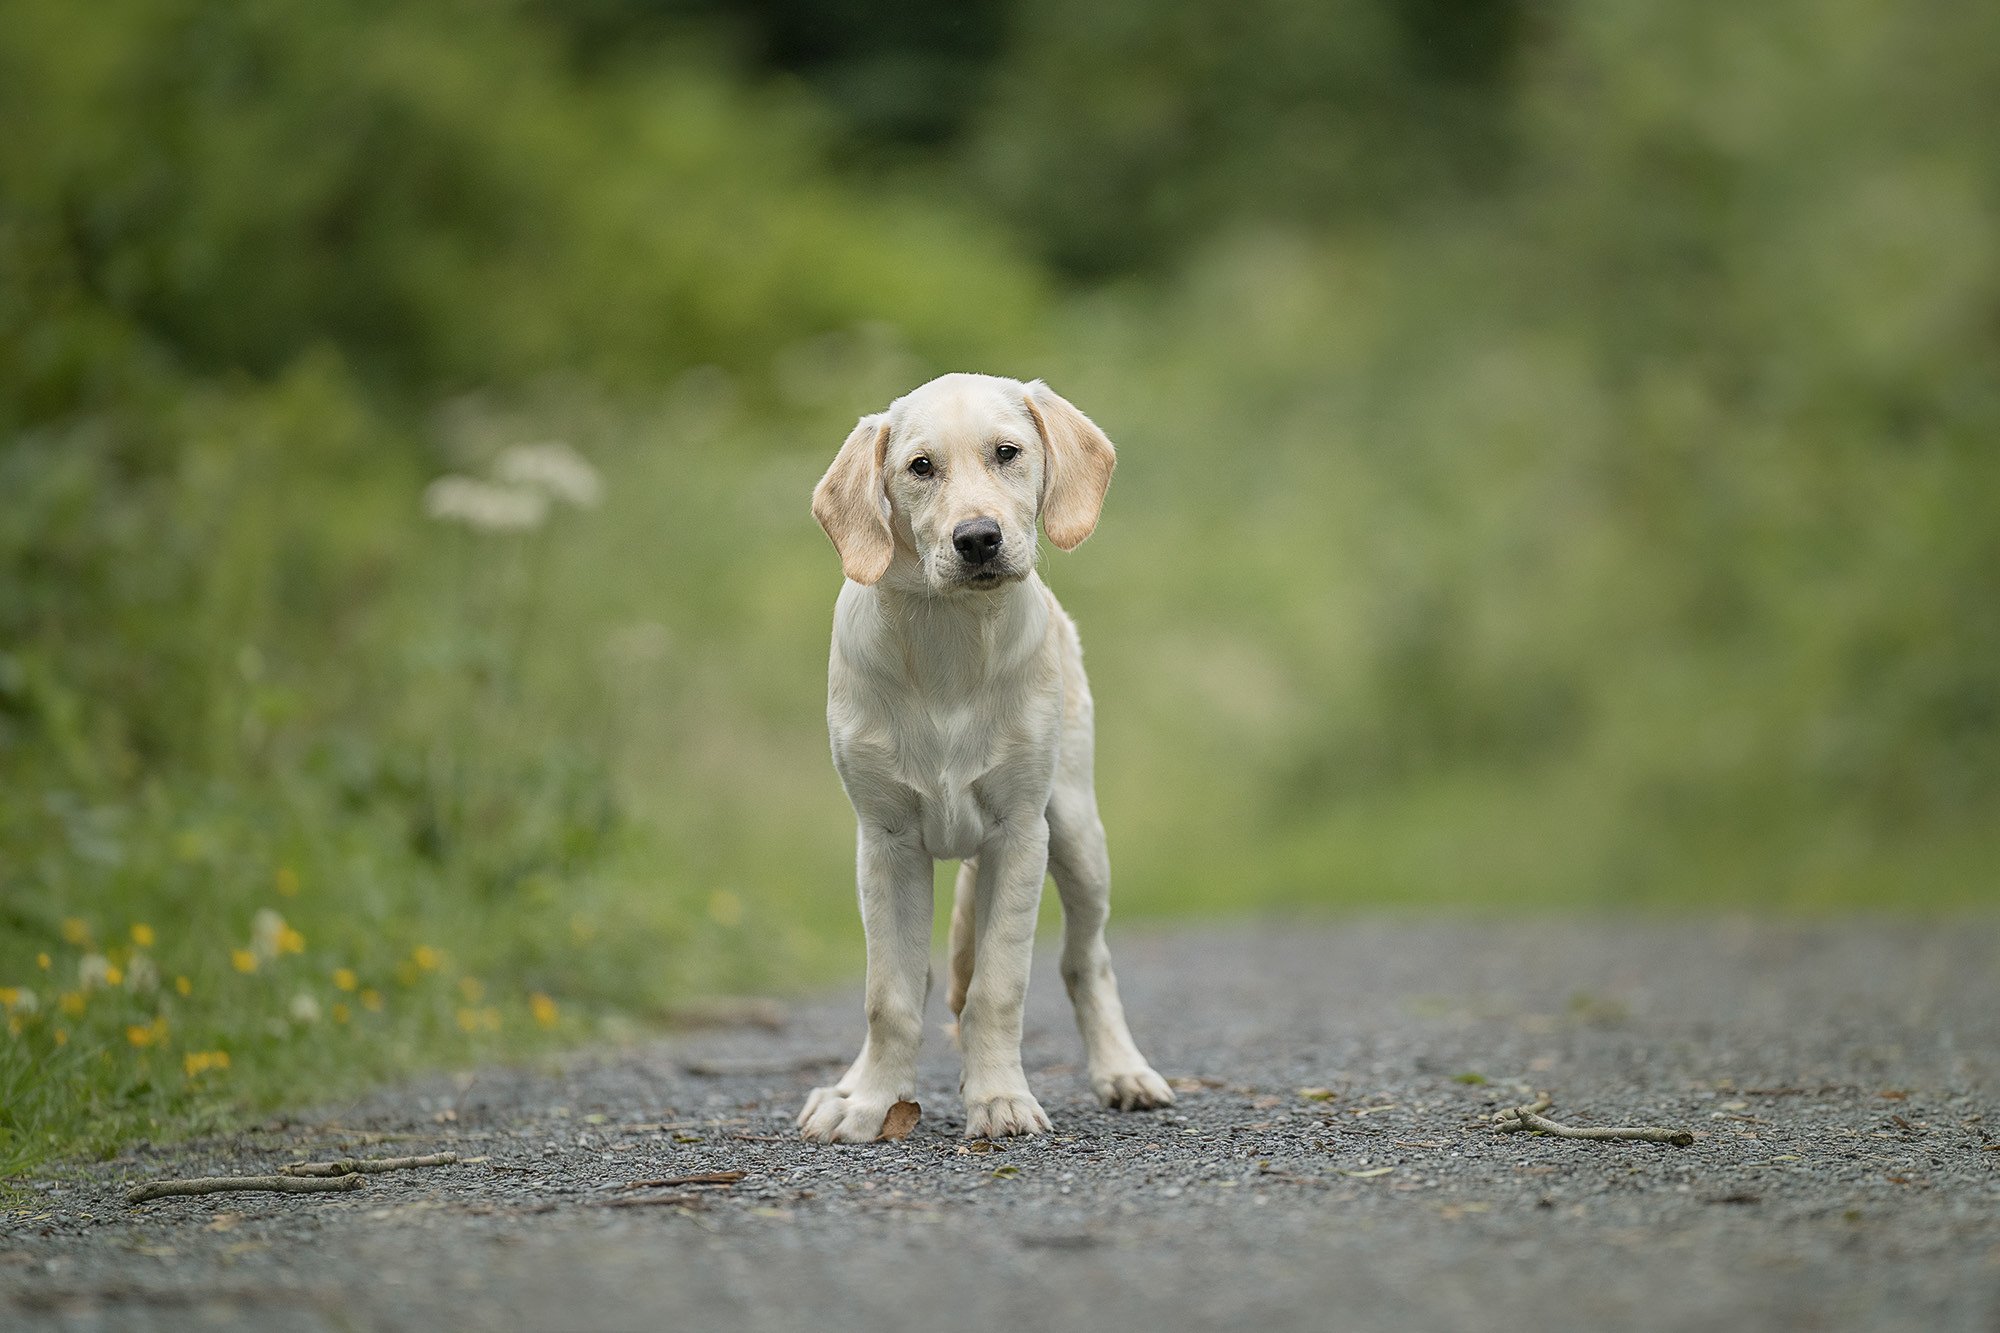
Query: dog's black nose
[{"x": 977, "y": 540}]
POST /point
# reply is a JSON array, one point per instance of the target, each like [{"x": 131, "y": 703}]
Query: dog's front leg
[
  {"x": 895, "y": 875},
  {"x": 1007, "y": 893}
]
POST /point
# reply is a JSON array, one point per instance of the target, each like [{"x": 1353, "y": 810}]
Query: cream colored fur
[{"x": 961, "y": 727}]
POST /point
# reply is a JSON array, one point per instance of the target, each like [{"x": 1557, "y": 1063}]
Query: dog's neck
[{"x": 931, "y": 636}]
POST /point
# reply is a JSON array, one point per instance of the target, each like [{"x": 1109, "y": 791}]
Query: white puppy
[{"x": 961, "y": 725}]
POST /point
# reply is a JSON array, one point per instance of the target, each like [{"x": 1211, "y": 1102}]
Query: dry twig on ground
[
  {"x": 700, "y": 1178},
  {"x": 348, "y": 1166},
  {"x": 346, "y": 1173},
  {"x": 162, "y": 1189},
  {"x": 1529, "y": 1117}
]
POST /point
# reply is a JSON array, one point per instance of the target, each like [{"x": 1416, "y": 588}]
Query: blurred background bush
[{"x": 1559, "y": 471}]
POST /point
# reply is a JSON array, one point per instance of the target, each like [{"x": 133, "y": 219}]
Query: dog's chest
[
  {"x": 943, "y": 718},
  {"x": 942, "y": 753}
]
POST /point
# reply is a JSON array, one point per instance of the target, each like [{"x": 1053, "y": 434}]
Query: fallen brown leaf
[{"x": 902, "y": 1118}]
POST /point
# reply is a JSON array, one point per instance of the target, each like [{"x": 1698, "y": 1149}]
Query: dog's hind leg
[
  {"x": 961, "y": 936},
  {"x": 1081, "y": 866}
]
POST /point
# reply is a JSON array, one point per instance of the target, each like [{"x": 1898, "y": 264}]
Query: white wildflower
[
  {"x": 305, "y": 1009},
  {"x": 485, "y": 505},
  {"x": 93, "y": 970},
  {"x": 21, "y": 1000},
  {"x": 552, "y": 468},
  {"x": 267, "y": 933},
  {"x": 142, "y": 974}
]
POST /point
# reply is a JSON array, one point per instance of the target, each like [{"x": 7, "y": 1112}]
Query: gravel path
[{"x": 1841, "y": 1077}]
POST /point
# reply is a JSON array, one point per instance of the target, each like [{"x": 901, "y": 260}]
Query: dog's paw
[
  {"x": 1002, "y": 1117},
  {"x": 813, "y": 1099},
  {"x": 834, "y": 1116},
  {"x": 1132, "y": 1089}
]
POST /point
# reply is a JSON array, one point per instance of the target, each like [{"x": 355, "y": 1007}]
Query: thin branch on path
[
  {"x": 700, "y": 1178},
  {"x": 347, "y": 1166},
  {"x": 1529, "y": 1117},
  {"x": 162, "y": 1189}
]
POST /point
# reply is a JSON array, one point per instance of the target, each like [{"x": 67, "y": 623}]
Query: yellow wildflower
[
  {"x": 196, "y": 1063},
  {"x": 371, "y": 1000},
  {"x": 114, "y": 975},
  {"x": 183, "y": 985},
  {"x": 287, "y": 881},
  {"x": 543, "y": 1008},
  {"x": 62, "y": 1036},
  {"x": 468, "y": 1020},
  {"x": 341, "y": 1013},
  {"x": 472, "y": 988},
  {"x": 344, "y": 978},
  {"x": 71, "y": 1002},
  {"x": 427, "y": 958},
  {"x": 8, "y": 996},
  {"x": 142, "y": 935},
  {"x": 42, "y": 961},
  {"x": 290, "y": 941},
  {"x": 76, "y": 931},
  {"x": 243, "y": 960},
  {"x": 139, "y": 1034}
]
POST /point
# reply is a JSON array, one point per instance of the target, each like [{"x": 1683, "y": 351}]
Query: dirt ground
[{"x": 1331, "y": 1164}]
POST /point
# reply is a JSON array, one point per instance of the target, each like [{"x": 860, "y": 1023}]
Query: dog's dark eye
[
  {"x": 921, "y": 466},
  {"x": 1007, "y": 453}
]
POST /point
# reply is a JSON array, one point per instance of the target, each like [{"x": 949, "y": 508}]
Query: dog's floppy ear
[
  {"x": 851, "y": 505},
  {"x": 1077, "y": 470}
]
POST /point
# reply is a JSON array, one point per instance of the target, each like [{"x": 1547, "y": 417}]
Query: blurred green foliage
[{"x": 1558, "y": 471}]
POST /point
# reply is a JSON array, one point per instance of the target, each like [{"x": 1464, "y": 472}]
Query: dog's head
[{"x": 953, "y": 477}]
